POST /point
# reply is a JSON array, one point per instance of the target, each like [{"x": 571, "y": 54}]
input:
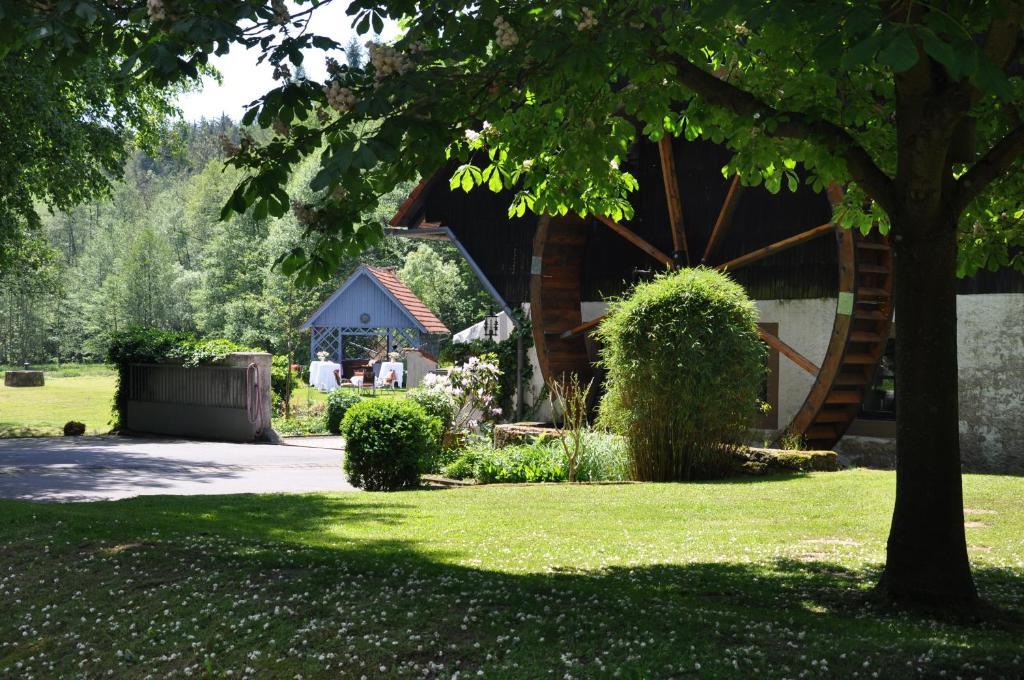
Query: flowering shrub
[{"x": 473, "y": 387}]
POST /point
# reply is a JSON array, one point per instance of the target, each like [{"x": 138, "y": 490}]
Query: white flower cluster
[
  {"x": 386, "y": 60},
  {"x": 340, "y": 98},
  {"x": 588, "y": 21},
  {"x": 157, "y": 11},
  {"x": 333, "y": 67},
  {"x": 472, "y": 136},
  {"x": 473, "y": 388},
  {"x": 281, "y": 15},
  {"x": 305, "y": 213},
  {"x": 282, "y": 72},
  {"x": 231, "y": 149},
  {"x": 507, "y": 38}
]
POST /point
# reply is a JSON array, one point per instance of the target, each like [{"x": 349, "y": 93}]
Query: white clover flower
[{"x": 588, "y": 21}]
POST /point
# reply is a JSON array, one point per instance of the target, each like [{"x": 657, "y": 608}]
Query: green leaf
[
  {"x": 900, "y": 54},
  {"x": 494, "y": 183},
  {"x": 862, "y": 52},
  {"x": 990, "y": 78},
  {"x": 364, "y": 24}
]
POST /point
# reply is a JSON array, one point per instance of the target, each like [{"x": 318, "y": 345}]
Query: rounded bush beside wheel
[
  {"x": 685, "y": 365},
  {"x": 385, "y": 440}
]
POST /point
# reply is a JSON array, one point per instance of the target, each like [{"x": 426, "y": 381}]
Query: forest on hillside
[{"x": 155, "y": 253}]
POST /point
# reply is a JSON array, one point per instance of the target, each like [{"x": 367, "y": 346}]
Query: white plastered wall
[
  {"x": 990, "y": 354},
  {"x": 806, "y": 326}
]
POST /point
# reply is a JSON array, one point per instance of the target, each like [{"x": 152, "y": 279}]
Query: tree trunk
[{"x": 927, "y": 559}]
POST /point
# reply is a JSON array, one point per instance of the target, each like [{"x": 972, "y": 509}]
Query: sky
[{"x": 244, "y": 80}]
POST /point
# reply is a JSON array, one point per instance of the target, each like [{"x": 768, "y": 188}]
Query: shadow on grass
[
  {"x": 18, "y": 431},
  {"x": 405, "y": 603}
]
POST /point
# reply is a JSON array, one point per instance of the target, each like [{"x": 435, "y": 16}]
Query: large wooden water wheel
[{"x": 696, "y": 213}]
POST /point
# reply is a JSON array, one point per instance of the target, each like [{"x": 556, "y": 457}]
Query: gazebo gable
[{"x": 363, "y": 302}]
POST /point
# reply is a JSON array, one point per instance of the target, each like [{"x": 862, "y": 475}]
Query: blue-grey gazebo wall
[{"x": 362, "y": 306}]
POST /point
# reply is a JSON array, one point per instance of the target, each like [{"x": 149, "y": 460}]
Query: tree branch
[
  {"x": 794, "y": 125},
  {"x": 1002, "y": 39},
  {"x": 989, "y": 167}
]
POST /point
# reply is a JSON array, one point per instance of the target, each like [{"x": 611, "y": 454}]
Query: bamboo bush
[{"x": 684, "y": 366}]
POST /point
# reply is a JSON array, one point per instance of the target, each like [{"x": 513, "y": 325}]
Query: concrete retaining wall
[{"x": 205, "y": 402}]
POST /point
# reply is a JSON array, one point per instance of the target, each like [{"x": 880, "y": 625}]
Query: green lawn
[
  {"x": 752, "y": 578},
  {"x": 72, "y": 392}
]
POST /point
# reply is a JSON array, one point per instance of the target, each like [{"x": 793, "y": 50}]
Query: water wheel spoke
[
  {"x": 724, "y": 220},
  {"x": 635, "y": 239},
  {"x": 777, "y": 247},
  {"x": 675, "y": 203},
  {"x": 582, "y": 328},
  {"x": 785, "y": 350}
]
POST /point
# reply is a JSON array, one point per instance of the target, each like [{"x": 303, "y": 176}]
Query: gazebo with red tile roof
[{"x": 370, "y": 314}]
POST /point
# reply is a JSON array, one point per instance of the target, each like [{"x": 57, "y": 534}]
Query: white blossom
[
  {"x": 340, "y": 98},
  {"x": 387, "y": 61},
  {"x": 588, "y": 21},
  {"x": 281, "y": 15},
  {"x": 506, "y": 36},
  {"x": 156, "y": 9}
]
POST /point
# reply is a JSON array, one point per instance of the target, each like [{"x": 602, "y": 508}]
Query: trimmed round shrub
[
  {"x": 684, "y": 367},
  {"x": 385, "y": 441},
  {"x": 73, "y": 428},
  {"x": 338, "y": 403}
]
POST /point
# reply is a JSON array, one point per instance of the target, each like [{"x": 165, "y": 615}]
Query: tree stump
[{"x": 23, "y": 378}]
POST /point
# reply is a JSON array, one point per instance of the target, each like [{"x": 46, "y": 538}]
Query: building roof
[
  {"x": 408, "y": 299},
  {"x": 374, "y": 297}
]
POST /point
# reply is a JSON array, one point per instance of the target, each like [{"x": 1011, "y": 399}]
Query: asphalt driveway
[{"x": 111, "y": 467}]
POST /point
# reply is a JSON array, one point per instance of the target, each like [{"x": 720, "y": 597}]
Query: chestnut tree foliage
[{"x": 914, "y": 106}]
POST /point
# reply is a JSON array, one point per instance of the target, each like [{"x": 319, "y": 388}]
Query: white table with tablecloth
[
  {"x": 321, "y": 375},
  {"x": 388, "y": 366}
]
